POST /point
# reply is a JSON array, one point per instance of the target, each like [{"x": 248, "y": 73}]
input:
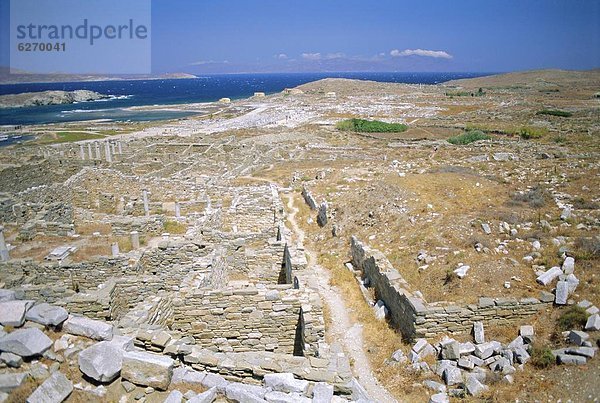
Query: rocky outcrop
[{"x": 29, "y": 99}]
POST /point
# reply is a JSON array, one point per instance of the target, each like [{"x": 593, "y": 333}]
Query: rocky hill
[{"x": 48, "y": 98}]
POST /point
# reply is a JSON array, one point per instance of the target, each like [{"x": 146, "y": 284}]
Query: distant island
[
  {"x": 21, "y": 77},
  {"x": 49, "y": 98}
]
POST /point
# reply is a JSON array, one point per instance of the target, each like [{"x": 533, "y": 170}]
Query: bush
[
  {"x": 370, "y": 126},
  {"x": 535, "y": 198},
  {"x": 541, "y": 357},
  {"x": 555, "y": 112},
  {"x": 468, "y": 137},
  {"x": 573, "y": 318},
  {"x": 587, "y": 248},
  {"x": 528, "y": 133}
]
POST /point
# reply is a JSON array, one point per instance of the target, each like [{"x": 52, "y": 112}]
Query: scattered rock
[
  {"x": 55, "y": 389},
  {"x": 12, "y": 313},
  {"x": 102, "y": 361},
  {"x": 8, "y": 382},
  {"x": 147, "y": 369},
  {"x": 474, "y": 387},
  {"x": 478, "y": 332},
  {"x": 47, "y": 315},
  {"x": 26, "y": 342},
  {"x": 562, "y": 293},
  {"x": 205, "y": 397},
  {"x": 322, "y": 393},
  {"x": 285, "y": 382},
  {"x": 94, "y": 329},
  {"x": 593, "y": 323}
]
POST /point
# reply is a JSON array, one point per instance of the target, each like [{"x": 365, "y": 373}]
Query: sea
[{"x": 128, "y": 93}]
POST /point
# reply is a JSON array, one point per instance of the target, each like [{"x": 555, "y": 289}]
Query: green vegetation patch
[
  {"x": 370, "y": 126},
  {"x": 68, "y": 137},
  {"x": 174, "y": 227},
  {"x": 528, "y": 132},
  {"x": 468, "y": 137},
  {"x": 542, "y": 357},
  {"x": 574, "y": 317},
  {"x": 555, "y": 112}
]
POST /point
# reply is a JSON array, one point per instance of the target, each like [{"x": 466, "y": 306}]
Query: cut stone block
[
  {"x": 571, "y": 359},
  {"x": 94, "y": 329},
  {"x": 478, "y": 332},
  {"x": 578, "y": 337},
  {"x": 593, "y": 323},
  {"x": 562, "y": 293},
  {"x": 102, "y": 361},
  {"x": 12, "y": 313},
  {"x": 47, "y": 315},
  {"x": 8, "y": 382},
  {"x": 147, "y": 369},
  {"x": 55, "y": 389},
  {"x": 26, "y": 342},
  {"x": 285, "y": 382},
  {"x": 547, "y": 277}
]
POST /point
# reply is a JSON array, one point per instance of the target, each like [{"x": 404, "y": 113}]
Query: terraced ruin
[{"x": 258, "y": 253}]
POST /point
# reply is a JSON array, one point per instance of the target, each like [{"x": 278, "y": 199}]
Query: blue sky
[{"x": 210, "y": 36}]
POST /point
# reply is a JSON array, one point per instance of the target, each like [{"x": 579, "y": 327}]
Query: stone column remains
[
  {"x": 91, "y": 157},
  {"x": 119, "y": 147},
  {"x": 115, "y": 249},
  {"x": 98, "y": 155},
  {"x": 177, "y": 210},
  {"x": 112, "y": 148},
  {"x": 135, "y": 240},
  {"x": 81, "y": 152},
  {"x": 107, "y": 152},
  {"x": 146, "y": 208},
  {"x": 3, "y": 249}
]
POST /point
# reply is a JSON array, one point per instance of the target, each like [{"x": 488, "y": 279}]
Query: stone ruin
[{"x": 224, "y": 297}]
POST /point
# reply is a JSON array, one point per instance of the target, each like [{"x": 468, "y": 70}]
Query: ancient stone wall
[
  {"x": 252, "y": 319},
  {"x": 414, "y": 317},
  {"x": 85, "y": 276}
]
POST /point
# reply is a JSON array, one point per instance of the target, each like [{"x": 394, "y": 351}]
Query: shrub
[
  {"x": 572, "y": 318},
  {"x": 587, "y": 248},
  {"x": 560, "y": 139},
  {"x": 370, "y": 126},
  {"x": 528, "y": 132},
  {"x": 536, "y": 197},
  {"x": 468, "y": 137},
  {"x": 555, "y": 112},
  {"x": 541, "y": 357}
]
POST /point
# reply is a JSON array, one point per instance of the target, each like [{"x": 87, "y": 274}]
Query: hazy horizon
[{"x": 245, "y": 37}]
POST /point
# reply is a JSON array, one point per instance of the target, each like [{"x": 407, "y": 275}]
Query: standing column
[
  {"x": 146, "y": 208},
  {"x": 112, "y": 148},
  {"x": 97, "y": 146},
  {"x": 115, "y": 249},
  {"x": 177, "y": 210},
  {"x": 119, "y": 147},
  {"x": 3, "y": 249},
  {"x": 81, "y": 152},
  {"x": 107, "y": 151},
  {"x": 91, "y": 157},
  {"x": 135, "y": 240}
]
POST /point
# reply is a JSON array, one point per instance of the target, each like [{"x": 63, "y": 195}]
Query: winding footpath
[{"x": 342, "y": 329}]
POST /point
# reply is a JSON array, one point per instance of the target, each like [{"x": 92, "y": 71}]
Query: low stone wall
[
  {"x": 278, "y": 319},
  {"x": 85, "y": 275},
  {"x": 251, "y": 367},
  {"x": 414, "y": 317}
]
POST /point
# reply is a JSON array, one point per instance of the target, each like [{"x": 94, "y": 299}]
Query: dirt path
[{"x": 342, "y": 327}]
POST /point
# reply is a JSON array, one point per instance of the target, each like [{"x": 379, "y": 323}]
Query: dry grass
[
  {"x": 378, "y": 335},
  {"x": 174, "y": 227},
  {"x": 89, "y": 228}
]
